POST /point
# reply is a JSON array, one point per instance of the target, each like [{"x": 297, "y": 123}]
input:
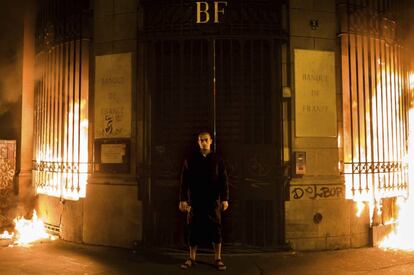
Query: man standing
[{"x": 204, "y": 193}]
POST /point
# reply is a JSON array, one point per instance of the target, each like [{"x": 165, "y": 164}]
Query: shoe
[
  {"x": 188, "y": 264},
  {"x": 220, "y": 265}
]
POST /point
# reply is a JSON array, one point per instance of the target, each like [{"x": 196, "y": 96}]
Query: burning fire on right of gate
[{"x": 402, "y": 237}]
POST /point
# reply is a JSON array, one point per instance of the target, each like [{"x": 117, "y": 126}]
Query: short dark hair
[{"x": 204, "y": 133}]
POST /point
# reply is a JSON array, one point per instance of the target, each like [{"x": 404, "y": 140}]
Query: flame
[
  {"x": 360, "y": 208},
  {"x": 67, "y": 184},
  {"x": 402, "y": 238},
  {"x": 368, "y": 187},
  {"x": 411, "y": 80},
  {"x": 27, "y": 231},
  {"x": 6, "y": 235}
]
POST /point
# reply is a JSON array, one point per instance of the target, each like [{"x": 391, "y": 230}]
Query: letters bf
[{"x": 203, "y": 11}]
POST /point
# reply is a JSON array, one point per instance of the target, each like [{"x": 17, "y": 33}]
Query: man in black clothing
[{"x": 204, "y": 193}]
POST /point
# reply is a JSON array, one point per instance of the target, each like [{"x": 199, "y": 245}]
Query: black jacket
[{"x": 204, "y": 181}]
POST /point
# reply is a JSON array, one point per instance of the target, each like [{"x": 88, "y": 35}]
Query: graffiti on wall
[{"x": 316, "y": 192}]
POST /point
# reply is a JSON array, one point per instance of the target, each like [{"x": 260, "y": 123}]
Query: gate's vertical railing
[
  {"x": 374, "y": 102},
  {"x": 60, "y": 164}
]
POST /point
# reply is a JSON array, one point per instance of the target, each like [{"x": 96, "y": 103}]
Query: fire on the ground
[{"x": 27, "y": 231}]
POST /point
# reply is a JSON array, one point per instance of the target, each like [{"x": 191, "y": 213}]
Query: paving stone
[{"x": 61, "y": 257}]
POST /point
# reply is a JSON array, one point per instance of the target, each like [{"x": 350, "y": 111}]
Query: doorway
[
  {"x": 225, "y": 78},
  {"x": 242, "y": 108}
]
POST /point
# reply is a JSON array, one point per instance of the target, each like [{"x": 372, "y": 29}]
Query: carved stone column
[{"x": 26, "y": 191}]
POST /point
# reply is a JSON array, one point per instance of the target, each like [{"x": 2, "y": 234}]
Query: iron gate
[
  {"x": 228, "y": 81},
  {"x": 375, "y": 101},
  {"x": 60, "y": 142}
]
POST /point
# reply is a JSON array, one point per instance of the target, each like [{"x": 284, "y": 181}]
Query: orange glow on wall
[
  {"x": 60, "y": 166},
  {"x": 375, "y": 123}
]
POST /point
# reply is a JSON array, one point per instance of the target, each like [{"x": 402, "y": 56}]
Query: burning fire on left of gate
[{"x": 27, "y": 231}]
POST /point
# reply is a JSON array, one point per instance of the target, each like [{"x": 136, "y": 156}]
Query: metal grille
[
  {"x": 224, "y": 78},
  {"x": 52, "y": 229},
  {"x": 374, "y": 102},
  {"x": 244, "y": 91},
  {"x": 248, "y": 134},
  {"x": 245, "y": 109},
  {"x": 60, "y": 162}
]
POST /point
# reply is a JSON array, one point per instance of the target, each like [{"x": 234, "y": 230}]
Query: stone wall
[
  {"x": 111, "y": 213},
  {"x": 317, "y": 214}
]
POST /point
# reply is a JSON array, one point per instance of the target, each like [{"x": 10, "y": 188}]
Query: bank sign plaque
[
  {"x": 315, "y": 98},
  {"x": 113, "y": 96},
  {"x": 210, "y": 10}
]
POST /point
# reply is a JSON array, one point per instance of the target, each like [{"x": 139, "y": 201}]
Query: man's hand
[
  {"x": 183, "y": 206},
  {"x": 224, "y": 205}
]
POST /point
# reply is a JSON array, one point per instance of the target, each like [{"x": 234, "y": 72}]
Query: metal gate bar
[
  {"x": 60, "y": 162},
  {"x": 374, "y": 102}
]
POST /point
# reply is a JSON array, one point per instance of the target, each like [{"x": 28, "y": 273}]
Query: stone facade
[
  {"x": 317, "y": 214},
  {"x": 111, "y": 213}
]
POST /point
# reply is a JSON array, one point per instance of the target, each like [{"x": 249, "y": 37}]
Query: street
[{"x": 60, "y": 257}]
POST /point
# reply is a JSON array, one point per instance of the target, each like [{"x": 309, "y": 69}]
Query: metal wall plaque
[
  {"x": 315, "y": 93},
  {"x": 112, "y": 155},
  {"x": 113, "y": 96}
]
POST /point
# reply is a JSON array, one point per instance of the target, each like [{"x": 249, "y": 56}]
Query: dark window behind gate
[{"x": 243, "y": 108}]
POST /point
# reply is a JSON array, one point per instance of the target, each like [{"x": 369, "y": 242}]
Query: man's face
[{"x": 204, "y": 141}]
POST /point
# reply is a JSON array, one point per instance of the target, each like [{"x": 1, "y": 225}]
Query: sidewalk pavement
[{"x": 61, "y": 257}]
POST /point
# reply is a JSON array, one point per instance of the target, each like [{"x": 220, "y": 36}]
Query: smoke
[
  {"x": 11, "y": 33},
  {"x": 406, "y": 15},
  {"x": 10, "y": 86}
]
